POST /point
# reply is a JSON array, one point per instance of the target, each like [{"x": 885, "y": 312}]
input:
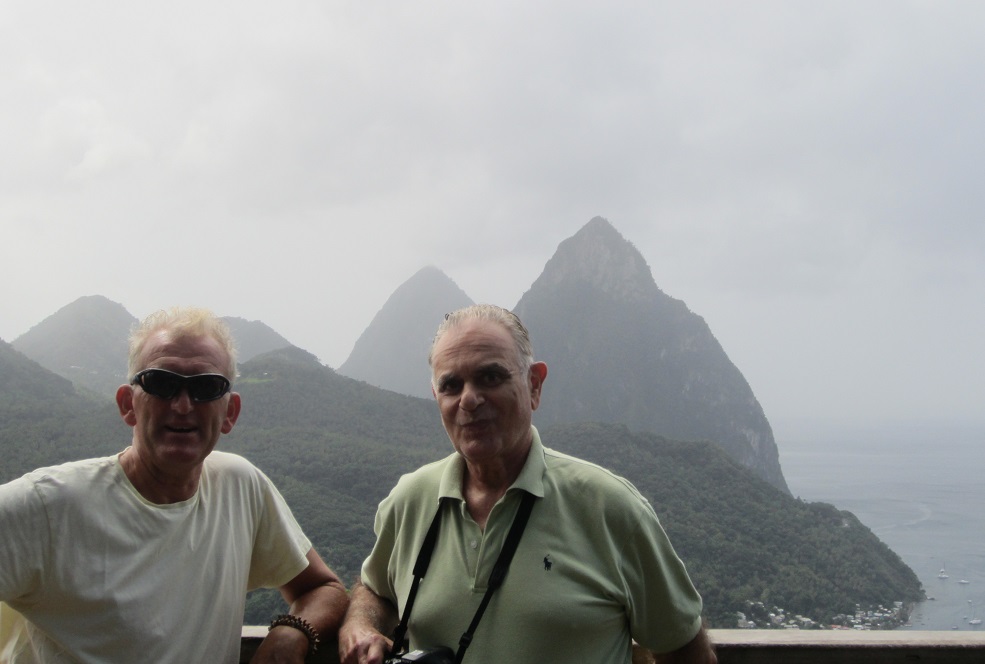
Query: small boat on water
[
  {"x": 964, "y": 582},
  {"x": 943, "y": 574},
  {"x": 973, "y": 620}
]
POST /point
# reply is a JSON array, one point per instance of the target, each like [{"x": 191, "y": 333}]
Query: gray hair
[
  {"x": 182, "y": 323},
  {"x": 495, "y": 314}
]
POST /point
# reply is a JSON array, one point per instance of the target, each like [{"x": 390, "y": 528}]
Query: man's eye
[
  {"x": 449, "y": 386},
  {"x": 493, "y": 377}
]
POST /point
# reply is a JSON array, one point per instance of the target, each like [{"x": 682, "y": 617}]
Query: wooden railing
[{"x": 768, "y": 646}]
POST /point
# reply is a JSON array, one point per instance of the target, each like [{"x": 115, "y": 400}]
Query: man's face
[
  {"x": 173, "y": 436},
  {"x": 486, "y": 397}
]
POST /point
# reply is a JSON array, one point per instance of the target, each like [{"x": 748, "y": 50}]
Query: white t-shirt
[{"x": 103, "y": 575}]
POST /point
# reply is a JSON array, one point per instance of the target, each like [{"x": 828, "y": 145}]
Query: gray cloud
[{"x": 804, "y": 175}]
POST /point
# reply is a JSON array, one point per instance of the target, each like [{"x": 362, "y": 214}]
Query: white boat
[
  {"x": 964, "y": 582},
  {"x": 974, "y": 620},
  {"x": 942, "y": 574}
]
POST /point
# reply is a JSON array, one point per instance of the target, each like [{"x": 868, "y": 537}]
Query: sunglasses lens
[
  {"x": 166, "y": 384},
  {"x": 163, "y": 384},
  {"x": 207, "y": 387}
]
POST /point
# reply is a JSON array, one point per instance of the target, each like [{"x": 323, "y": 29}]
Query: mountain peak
[
  {"x": 392, "y": 352},
  {"x": 623, "y": 351},
  {"x": 598, "y": 256},
  {"x": 600, "y": 225},
  {"x": 253, "y": 338},
  {"x": 86, "y": 341}
]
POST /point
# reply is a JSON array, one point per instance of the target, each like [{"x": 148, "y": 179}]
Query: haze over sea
[{"x": 921, "y": 490}]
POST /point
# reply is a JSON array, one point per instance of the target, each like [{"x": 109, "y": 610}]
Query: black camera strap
[
  {"x": 420, "y": 569},
  {"x": 495, "y": 579}
]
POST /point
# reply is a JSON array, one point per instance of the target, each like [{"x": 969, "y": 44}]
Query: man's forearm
[
  {"x": 323, "y": 607},
  {"x": 370, "y": 618},
  {"x": 315, "y": 596},
  {"x": 370, "y": 610}
]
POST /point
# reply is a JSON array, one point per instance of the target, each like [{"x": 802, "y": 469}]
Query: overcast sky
[{"x": 807, "y": 176}]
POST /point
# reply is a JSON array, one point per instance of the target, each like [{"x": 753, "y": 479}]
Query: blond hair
[{"x": 181, "y": 323}]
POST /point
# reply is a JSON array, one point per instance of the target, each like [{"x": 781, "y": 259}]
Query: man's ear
[
  {"x": 124, "y": 401},
  {"x": 537, "y": 376},
  {"x": 232, "y": 412}
]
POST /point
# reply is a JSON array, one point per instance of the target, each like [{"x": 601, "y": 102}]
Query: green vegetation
[
  {"x": 743, "y": 539},
  {"x": 335, "y": 447}
]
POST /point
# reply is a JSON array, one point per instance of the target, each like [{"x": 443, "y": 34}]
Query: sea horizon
[{"x": 920, "y": 490}]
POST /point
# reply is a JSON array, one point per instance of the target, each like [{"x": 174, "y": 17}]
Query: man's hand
[
  {"x": 361, "y": 639},
  {"x": 362, "y": 645}
]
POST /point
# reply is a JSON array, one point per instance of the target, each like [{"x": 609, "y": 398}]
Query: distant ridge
[
  {"x": 392, "y": 352},
  {"x": 44, "y": 420},
  {"x": 253, "y": 338},
  {"x": 85, "y": 341},
  {"x": 620, "y": 350},
  {"x": 24, "y": 381}
]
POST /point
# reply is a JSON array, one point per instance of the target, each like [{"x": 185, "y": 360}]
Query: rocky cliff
[{"x": 620, "y": 350}]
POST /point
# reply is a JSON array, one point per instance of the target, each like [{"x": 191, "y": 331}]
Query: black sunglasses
[{"x": 168, "y": 384}]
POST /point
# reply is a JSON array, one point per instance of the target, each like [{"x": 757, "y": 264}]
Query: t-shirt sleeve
[
  {"x": 664, "y": 607},
  {"x": 24, "y": 537},
  {"x": 280, "y": 549}
]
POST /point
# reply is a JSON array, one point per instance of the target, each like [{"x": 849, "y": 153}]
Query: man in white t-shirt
[{"x": 148, "y": 555}]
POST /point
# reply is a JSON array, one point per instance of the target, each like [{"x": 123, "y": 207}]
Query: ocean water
[{"x": 921, "y": 490}]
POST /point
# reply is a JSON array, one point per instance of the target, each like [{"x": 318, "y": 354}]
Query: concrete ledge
[
  {"x": 739, "y": 646},
  {"x": 774, "y": 646}
]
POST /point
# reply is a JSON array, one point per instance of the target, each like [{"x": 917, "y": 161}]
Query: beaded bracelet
[{"x": 301, "y": 624}]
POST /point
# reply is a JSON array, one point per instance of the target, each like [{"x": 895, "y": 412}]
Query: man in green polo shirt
[{"x": 593, "y": 570}]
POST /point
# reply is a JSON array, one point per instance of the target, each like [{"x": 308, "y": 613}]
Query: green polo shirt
[{"x": 593, "y": 571}]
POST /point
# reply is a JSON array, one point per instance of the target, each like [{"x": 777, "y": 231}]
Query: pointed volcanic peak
[
  {"x": 85, "y": 342},
  {"x": 620, "y": 350},
  {"x": 392, "y": 352},
  {"x": 599, "y": 257},
  {"x": 254, "y": 338}
]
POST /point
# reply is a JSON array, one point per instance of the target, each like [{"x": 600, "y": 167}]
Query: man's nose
[
  {"x": 182, "y": 403},
  {"x": 472, "y": 397}
]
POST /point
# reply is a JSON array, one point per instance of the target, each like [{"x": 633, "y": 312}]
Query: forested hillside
[
  {"x": 741, "y": 538},
  {"x": 335, "y": 446},
  {"x": 43, "y": 420}
]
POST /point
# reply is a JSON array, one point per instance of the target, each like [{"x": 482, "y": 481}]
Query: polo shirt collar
[{"x": 530, "y": 479}]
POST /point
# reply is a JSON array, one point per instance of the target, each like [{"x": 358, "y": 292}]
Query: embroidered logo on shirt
[{"x": 548, "y": 562}]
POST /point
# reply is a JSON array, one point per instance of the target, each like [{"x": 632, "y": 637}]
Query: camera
[{"x": 440, "y": 655}]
